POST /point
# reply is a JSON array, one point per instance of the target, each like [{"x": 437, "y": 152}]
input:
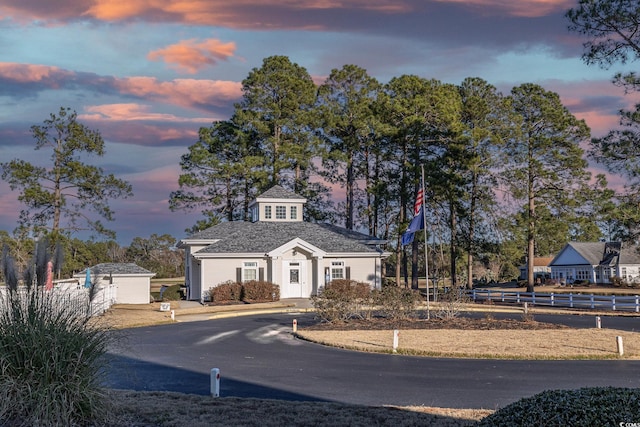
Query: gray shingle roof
[
  {"x": 278, "y": 192},
  {"x": 118, "y": 268},
  {"x": 262, "y": 237},
  {"x": 611, "y": 253}
]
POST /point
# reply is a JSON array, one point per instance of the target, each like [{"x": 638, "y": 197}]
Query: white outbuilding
[{"x": 133, "y": 283}]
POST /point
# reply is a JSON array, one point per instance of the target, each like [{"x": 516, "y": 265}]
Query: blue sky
[{"x": 149, "y": 73}]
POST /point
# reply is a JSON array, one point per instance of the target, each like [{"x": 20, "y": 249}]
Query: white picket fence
[
  {"x": 103, "y": 300},
  {"x": 72, "y": 292},
  {"x": 568, "y": 300}
]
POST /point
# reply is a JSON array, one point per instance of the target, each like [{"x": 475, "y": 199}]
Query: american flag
[{"x": 418, "y": 204}]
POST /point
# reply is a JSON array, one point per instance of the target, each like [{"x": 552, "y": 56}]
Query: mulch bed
[{"x": 486, "y": 323}]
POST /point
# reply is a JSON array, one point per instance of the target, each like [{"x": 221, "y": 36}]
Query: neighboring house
[
  {"x": 279, "y": 247},
  {"x": 596, "y": 262},
  {"x": 132, "y": 281},
  {"x": 541, "y": 269}
]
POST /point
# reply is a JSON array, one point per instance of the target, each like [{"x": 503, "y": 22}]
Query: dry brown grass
[
  {"x": 503, "y": 344},
  {"x": 144, "y": 409}
]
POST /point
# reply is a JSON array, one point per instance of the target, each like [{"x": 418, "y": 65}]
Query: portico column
[
  {"x": 272, "y": 270},
  {"x": 318, "y": 275}
]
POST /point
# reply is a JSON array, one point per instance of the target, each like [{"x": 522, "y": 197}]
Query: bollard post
[
  {"x": 619, "y": 344},
  {"x": 295, "y": 326},
  {"x": 173, "y": 315},
  {"x": 598, "y": 322},
  {"x": 395, "y": 340},
  {"x": 215, "y": 382},
  {"x": 526, "y": 307}
]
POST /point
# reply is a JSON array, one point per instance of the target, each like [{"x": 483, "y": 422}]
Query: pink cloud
[
  {"x": 189, "y": 93},
  {"x": 33, "y": 73},
  {"x": 597, "y": 102},
  {"x": 132, "y": 112},
  {"x": 184, "y": 92},
  {"x": 192, "y": 55}
]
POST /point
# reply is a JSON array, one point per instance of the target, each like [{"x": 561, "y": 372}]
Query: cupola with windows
[{"x": 277, "y": 204}]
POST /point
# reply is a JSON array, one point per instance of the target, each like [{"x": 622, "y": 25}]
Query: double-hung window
[
  {"x": 267, "y": 212},
  {"x": 281, "y": 212},
  {"x": 337, "y": 270},
  {"x": 249, "y": 271},
  {"x": 294, "y": 212}
]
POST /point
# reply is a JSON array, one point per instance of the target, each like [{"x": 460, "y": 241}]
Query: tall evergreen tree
[
  {"x": 484, "y": 120},
  {"x": 420, "y": 116},
  {"x": 612, "y": 30},
  {"x": 345, "y": 103},
  {"x": 220, "y": 174},
  {"x": 67, "y": 194},
  {"x": 277, "y": 112},
  {"x": 543, "y": 163}
]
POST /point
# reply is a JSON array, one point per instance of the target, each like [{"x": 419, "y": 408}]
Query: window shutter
[
  {"x": 239, "y": 275},
  {"x": 348, "y": 272},
  {"x": 261, "y": 274}
]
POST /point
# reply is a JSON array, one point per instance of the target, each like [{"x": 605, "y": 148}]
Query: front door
[{"x": 294, "y": 283}]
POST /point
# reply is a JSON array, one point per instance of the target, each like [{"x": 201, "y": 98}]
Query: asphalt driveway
[{"x": 258, "y": 357}]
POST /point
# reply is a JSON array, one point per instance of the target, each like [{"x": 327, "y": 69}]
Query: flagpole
[{"x": 424, "y": 226}]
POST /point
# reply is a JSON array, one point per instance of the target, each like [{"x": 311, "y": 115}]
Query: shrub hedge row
[{"x": 251, "y": 291}]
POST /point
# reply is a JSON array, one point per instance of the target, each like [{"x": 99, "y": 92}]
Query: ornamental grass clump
[{"x": 51, "y": 354}]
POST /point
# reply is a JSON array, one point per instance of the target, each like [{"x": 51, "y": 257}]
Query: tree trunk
[
  {"x": 453, "y": 247},
  {"x": 349, "y": 188}
]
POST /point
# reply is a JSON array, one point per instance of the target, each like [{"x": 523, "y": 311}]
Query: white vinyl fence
[
  {"x": 72, "y": 292},
  {"x": 568, "y": 300}
]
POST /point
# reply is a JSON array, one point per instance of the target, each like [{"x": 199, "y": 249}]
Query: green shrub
[
  {"x": 52, "y": 354},
  {"x": 396, "y": 303},
  {"x": 226, "y": 292},
  {"x": 260, "y": 291},
  {"x": 596, "y": 406},
  {"x": 172, "y": 293}
]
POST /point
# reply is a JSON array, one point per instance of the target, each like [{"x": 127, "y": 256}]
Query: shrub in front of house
[
  {"x": 341, "y": 300},
  {"x": 260, "y": 291},
  {"x": 226, "y": 292}
]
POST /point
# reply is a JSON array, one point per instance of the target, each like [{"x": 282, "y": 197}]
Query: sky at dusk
[{"x": 147, "y": 74}]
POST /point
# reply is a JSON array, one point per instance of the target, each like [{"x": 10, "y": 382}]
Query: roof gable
[
  {"x": 575, "y": 253},
  {"x": 297, "y": 243},
  {"x": 596, "y": 253},
  {"x": 280, "y": 193}
]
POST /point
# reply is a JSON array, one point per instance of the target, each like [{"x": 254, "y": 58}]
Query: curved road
[{"x": 258, "y": 357}]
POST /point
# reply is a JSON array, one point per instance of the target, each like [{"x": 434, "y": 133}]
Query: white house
[
  {"x": 596, "y": 262},
  {"x": 279, "y": 247},
  {"x": 132, "y": 281}
]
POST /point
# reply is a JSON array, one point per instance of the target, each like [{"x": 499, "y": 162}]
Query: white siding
[{"x": 132, "y": 289}]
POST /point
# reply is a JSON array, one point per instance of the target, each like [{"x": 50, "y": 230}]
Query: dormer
[{"x": 277, "y": 205}]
